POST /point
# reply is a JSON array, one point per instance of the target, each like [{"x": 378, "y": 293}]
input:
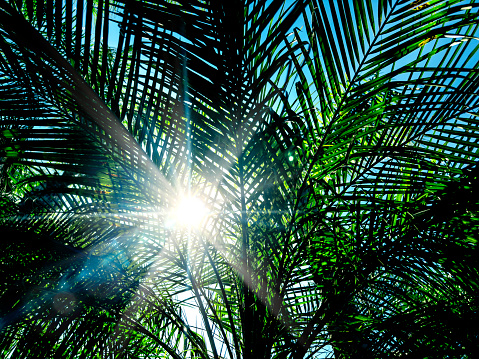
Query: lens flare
[{"x": 190, "y": 212}]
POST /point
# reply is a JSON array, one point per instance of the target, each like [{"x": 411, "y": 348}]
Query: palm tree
[{"x": 193, "y": 179}]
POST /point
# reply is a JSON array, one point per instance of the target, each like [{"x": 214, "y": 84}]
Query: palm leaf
[
  {"x": 322, "y": 155},
  {"x": 388, "y": 135}
]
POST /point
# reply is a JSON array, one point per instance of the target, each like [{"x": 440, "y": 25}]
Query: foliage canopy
[{"x": 333, "y": 144}]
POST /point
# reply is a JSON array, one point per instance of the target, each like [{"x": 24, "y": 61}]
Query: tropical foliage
[{"x": 333, "y": 144}]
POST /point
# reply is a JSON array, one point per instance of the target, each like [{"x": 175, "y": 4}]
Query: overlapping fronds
[
  {"x": 332, "y": 143},
  {"x": 387, "y": 93}
]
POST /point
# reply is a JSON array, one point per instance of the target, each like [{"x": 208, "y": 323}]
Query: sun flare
[{"x": 190, "y": 212}]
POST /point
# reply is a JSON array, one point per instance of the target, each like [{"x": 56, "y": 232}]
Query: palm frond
[{"x": 327, "y": 149}]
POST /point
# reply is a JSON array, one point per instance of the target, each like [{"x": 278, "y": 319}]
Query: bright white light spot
[
  {"x": 291, "y": 158},
  {"x": 190, "y": 212}
]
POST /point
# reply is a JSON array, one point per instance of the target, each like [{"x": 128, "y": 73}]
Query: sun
[{"x": 190, "y": 212}]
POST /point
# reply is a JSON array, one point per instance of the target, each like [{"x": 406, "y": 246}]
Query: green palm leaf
[{"x": 327, "y": 158}]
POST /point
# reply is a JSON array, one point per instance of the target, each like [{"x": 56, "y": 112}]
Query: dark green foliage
[{"x": 334, "y": 145}]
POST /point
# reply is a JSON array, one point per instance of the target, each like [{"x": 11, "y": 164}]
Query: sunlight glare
[{"x": 190, "y": 212}]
